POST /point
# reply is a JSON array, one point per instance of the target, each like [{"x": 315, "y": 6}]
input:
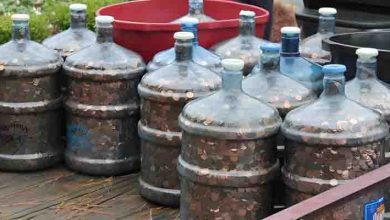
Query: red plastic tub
[{"x": 143, "y": 26}]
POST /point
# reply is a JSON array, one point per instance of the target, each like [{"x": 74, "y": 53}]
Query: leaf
[{"x": 54, "y": 17}]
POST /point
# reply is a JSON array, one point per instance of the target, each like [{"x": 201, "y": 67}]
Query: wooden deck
[{"x": 61, "y": 194}]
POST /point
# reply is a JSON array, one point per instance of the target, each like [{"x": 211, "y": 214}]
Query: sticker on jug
[
  {"x": 13, "y": 133},
  {"x": 78, "y": 136},
  {"x": 374, "y": 210}
]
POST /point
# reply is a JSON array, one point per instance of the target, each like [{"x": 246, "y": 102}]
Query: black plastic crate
[{"x": 378, "y": 6}]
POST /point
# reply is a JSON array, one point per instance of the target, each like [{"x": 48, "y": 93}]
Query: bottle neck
[
  {"x": 334, "y": 86},
  {"x": 290, "y": 45},
  {"x": 193, "y": 28},
  {"x": 104, "y": 33},
  {"x": 78, "y": 19},
  {"x": 183, "y": 49},
  {"x": 247, "y": 27},
  {"x": 269, "y": 62},
  {"x": 327, "y": 25},
  {"x": 231, "y": 81},
  {"x": 366, "y": 69},
  {"x": 195, "y": 7},
  {"x": 20, "y": 30}
]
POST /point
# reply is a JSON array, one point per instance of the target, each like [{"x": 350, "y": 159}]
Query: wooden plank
[
  {"x": 119, "y": 202},
  {"x": 82, "y": 206},
  {"x": 133, "y": 206},
  {"x": 158, "y": 213},
  {"x": 50, "y": 194},
  {"x": 62, "y": 194},
  {"x": 11, "y": 183}
]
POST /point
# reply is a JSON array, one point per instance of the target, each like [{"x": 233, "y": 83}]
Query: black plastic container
[
  {"x": 343, "y": 48},
  {"x": 349, "y": 19},
  {"x": 381, "y": 6}
]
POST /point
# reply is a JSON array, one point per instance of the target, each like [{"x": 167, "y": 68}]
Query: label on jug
[
  {"x": 374, "y": 210},
  {"x": 78, "y": 136}
]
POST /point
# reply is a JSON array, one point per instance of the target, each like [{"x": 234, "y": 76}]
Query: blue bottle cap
[
  {"x": 270, "y": 47},
  {"x": 334, "y": 69}
]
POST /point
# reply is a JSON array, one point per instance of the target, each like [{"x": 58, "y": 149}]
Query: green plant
[
  {"x": 13, "y": 6},
  {"x": 57, "y": 13},
  {"x": 54, "y": 16},
  {"x": 5, "y": 27},
  {"x": 39, "y": 27}
]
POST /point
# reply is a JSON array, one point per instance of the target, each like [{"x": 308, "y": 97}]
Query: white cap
[
  {"x": 78, "y": 7},
  {"x": 290, "y": 30},
  {"x": 183, "y": 35},
  {"x": 189, "y": 20},
  {"x": 327, "y": 11},
  {"x": 104, "y": 19},
  {"x": 367, "y": 53},
  {"x": 247, "y": 13},
  {"x": 20, "y": 17},
  {"x": 233, "y": 64}
]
